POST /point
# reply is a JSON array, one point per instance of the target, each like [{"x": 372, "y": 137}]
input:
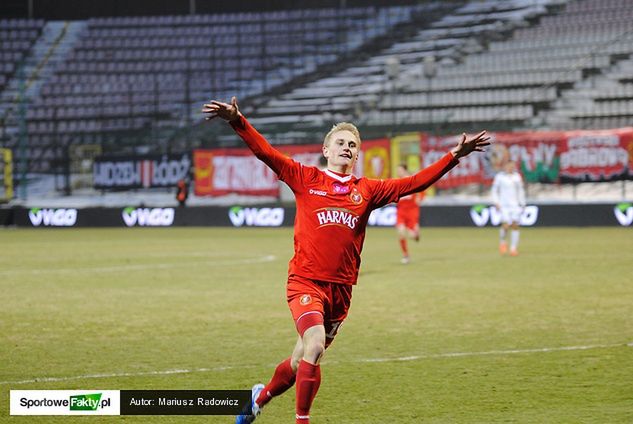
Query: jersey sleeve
[
  {"x": 390, "y": 190},
  {"x": 288, "y": 170}
]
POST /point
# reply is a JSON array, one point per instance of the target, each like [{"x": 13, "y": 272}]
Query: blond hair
[{"x": 342, "y": 126}]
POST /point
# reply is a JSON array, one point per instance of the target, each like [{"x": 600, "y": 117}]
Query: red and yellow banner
[
  {"x": 222, "y": 171},
  {"x": 543, "y": 156}
]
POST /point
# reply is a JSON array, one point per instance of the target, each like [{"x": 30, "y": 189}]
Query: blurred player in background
[
  {"x": 182, "y": 192},
  {"x": 333, "y": 208},
  {"x": 508, "y": 196},
  {"x": 407, "y": 216}
]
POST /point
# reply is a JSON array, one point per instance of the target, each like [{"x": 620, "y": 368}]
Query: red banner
[
  {"x": 222, "y": 171},
  {"x": 470, "y": 169},
  {"x": 543, "y": 156},
  {"x": 597, "y": 155}
]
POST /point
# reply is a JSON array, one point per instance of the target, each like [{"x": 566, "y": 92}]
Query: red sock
[
  {"x": 282, "y": 380},
  {"x": 403, "y": 246},
  {"x": 308, "y": 382}
]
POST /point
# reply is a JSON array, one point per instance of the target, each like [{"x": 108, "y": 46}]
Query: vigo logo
[
  {"x": 482, "y": 215},
  {"x": 336, "y": 216},
  {"x": 383, "y": 217},
  {"x": 53, "y": 217},
  {"x": 624, "y": 213},
  {"x": 145, "y": 217},
  {"x": 256, "y": 217}
]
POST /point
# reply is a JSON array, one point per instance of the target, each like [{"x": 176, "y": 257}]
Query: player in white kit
[{"x": 508, "y": 196}]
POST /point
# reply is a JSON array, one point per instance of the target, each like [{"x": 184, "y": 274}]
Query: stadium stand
[
  {"x": 596, "y": 35},
  {"x": 502, "y": 65},
  {"x": 16, "y": 38},
  {"x": 424, "y": 75},
  {"x": 127, "y": 78},
  {"x": 143, "y": 68},
  {"x": 135, "y": 84}
]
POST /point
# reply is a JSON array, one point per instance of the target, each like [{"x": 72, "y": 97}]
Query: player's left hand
[{"x": 468, "y": 145}]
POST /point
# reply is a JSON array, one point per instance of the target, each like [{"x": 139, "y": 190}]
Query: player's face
[{"x": 341, "y": 150}]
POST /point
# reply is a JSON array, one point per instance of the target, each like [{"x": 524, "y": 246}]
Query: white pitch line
[
  {"x": 140, "y": 267},
  {"x": 126, "y": 374},
  {"x": 365, "y": 360},
  {"x": 493, "y": 352}
]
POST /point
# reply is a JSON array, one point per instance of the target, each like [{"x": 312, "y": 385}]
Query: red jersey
[
  {"x": 409, "y": 203},
  {"x": 333, "y": 208}
]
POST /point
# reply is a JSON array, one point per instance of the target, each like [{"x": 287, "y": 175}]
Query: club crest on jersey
[
  {"x": 306, "y": 299},
  {"x": 340, "y": 188},
  {"x": 337, "y": 216},
  {"x": 356, "y": 197}
]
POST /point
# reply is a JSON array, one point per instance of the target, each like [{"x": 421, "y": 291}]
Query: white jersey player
[{"x": 508, "y": 195}]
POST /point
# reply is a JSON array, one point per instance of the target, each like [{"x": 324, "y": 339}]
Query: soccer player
[
  {"x": 182, "y": 192},
  {"x": 333, "y": 208},
  {"x": 407, "y": 216},
  {"x": 508, "y": 196}
]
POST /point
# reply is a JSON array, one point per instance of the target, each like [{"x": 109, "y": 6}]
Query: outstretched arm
[
  {"x": 428, "y": 176},
  {"x": 230, "y": 112},
  {"x": 391, "y": 190}
]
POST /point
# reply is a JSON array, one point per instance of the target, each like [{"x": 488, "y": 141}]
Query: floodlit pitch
[{"x": 542, "y": 337}]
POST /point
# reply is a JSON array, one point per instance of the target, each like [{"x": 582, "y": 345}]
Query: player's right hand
[{"x": 226, "y": 111}]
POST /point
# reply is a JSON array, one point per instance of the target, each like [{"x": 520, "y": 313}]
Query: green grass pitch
[{"x": 460, "y": 335}]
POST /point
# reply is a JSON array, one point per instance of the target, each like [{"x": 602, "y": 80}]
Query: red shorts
[
  {"x": 409, "y": 218},
  {"x": 315, "y": 302}
]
